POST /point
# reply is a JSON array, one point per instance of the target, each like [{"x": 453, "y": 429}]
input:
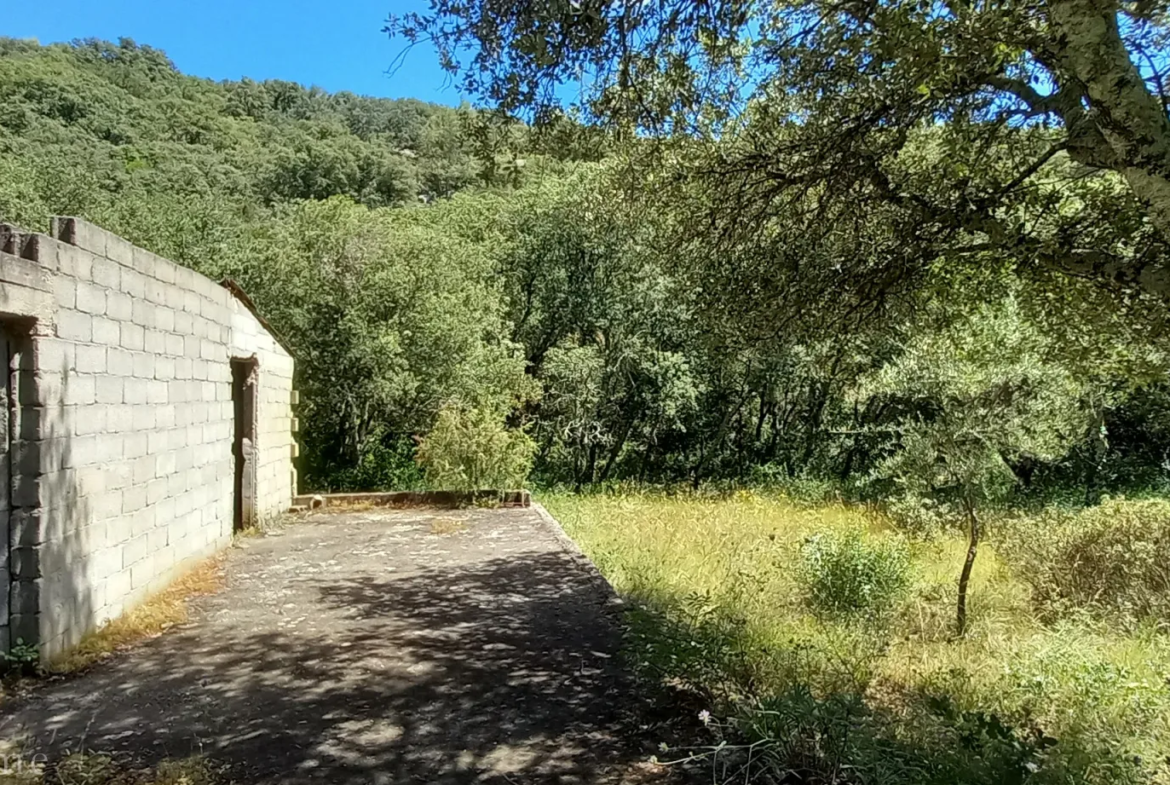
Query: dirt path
[{"x": 375, "y": 647}]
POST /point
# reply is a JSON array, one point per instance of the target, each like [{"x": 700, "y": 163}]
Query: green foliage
[
  {"x": 846, "y": 573},
  {"x": 715, "y": 600},
  {"x": 413, "y": 255},
  {"x": 472, "y": 449},
  {"x": 1112, "y": 560},
  {"x": 21, "y": 657},
  {"x": 405, "y": 313},
  {"x": 989, "y": 393}
]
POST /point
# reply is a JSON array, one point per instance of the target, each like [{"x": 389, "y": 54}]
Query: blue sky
[{"x": 338, "y": 46}]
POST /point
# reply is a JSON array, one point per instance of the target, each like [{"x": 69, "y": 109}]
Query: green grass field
[{"x": 718, "y": 607}]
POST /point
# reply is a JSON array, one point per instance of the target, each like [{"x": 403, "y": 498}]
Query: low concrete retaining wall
[{"x": 414, "y": 499}]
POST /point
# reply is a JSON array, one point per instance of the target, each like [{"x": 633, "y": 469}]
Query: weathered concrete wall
[{"x": 123, "y": 425}]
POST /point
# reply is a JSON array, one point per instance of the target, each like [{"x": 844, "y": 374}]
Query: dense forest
[{"x": 589, "y": 303}]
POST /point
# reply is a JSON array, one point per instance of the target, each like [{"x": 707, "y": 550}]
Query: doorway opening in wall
[
  {"x": 245, "y": 373},
  {"x": 9, "y": 369}
]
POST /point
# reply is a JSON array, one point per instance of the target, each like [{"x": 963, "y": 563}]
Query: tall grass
[{"x": 719, "y": 606}]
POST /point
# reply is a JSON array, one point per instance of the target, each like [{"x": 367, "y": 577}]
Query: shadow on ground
[{"x": 367, "y": 648}]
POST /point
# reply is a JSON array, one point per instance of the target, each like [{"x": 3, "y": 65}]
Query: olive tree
[{"x": 986, "y": 392}]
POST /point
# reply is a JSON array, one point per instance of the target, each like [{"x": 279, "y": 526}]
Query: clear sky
[{"x": 335, "y": 45}]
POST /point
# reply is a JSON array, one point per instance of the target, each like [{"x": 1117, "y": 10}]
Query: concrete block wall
[{"x": 123, "y": 466}]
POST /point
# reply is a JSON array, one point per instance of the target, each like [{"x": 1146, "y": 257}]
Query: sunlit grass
[{"x": 724, "y": 571}]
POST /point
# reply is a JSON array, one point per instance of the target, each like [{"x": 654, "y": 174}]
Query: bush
[
  {"x": 846, "y": 572},
  {"x": 1112, "y": 560},
  {"x": 471, "y": 449}
]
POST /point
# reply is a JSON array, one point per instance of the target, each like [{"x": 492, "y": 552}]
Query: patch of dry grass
[
  {"x": 21, "y": 766},
  {"x": 157, "y": 614},
  {"x": 445, "y": 526},
  {"x": 99, "y": 769}
]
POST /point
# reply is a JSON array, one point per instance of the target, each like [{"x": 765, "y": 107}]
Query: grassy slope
[{"x": 719, "y": 607}]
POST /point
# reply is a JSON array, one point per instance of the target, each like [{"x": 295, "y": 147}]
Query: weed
[
  {"x": 21, "y": 659},
  {"x": 844, "y": 572}
]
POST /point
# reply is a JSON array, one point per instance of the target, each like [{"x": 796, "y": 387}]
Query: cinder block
[
  {"x": 131, "y": 336},
  {"x": 177, "y": 391},
  {"x": 78, "y": 390},
  {"x": 191, "y": 344},
  {"x": 133, "y": 498},
  {"x": 135, "y": 444},
  {"x": 107, "y": 272},
  {"x": 144, "y": 469},
  {"x": 156, "y": 342},
  {"x": 25, "y": 627},
  {"x": 53, "y": 355},
  {"x": 83, "y": 451},
  {"x": 109, "y": 389},
  {"x": 75, "y": 262},
  {"x": 109, "y": 447},
  {"x": 134, "y": 391},
  {"x": 157, "y": 538},
  {"x": 107, "y": 505},
  {"x": 156, "y": 391},
  {"x": 90, "y": 358},
  {"x": 164, "y": 367},
  {"x": 174, "y": 344},
  {"x": 26, "y": 528},
  {"x": 142, "y": 572},
  {"x": 191, "y": 302},
  {"x": 143, "y": 262},
  {"x": 134, "y": 550},
  {"x": 89, "y": 419},
  {"x": 118, "y": 476},
  {"x": 119, "y": 362},
  {"x": 65, "y": 291},
  {"x": 166, "y": 271},
  {"x": 156, "y": 292},
  {"x": 118, "y": 585},
  {"x": 37, "y": 457},
  {"x": 156, "y": 490},
  {"x": 119, "y": 419},
  {"x": 133, "y": 284},
  {"x": 143, "y": 313},
  {"x": 90, "y": 297},
  {"x": 74, "y": 326},
  {"x": 119, "y": 250},
  {"x": 25, "y": 562},
  {"x": 81, "y": 233},
  {"x": 106, "y": 331},
  {"x": 119, "y": 306},
  {"x": 26, "y": 596},
  {"x": 165, "y": 464},
  {"x": 183, "y": 323},
  {"x": 144, "y": 365}
]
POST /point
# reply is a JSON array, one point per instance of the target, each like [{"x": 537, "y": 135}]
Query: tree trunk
[
  {"x": 616, "y": 451},
  {"x": 1125, "y": 127},
  {"x": 965, "y": 575}
]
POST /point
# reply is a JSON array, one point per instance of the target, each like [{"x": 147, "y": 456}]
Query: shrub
[
  {"x": 1112, "y": 560},
  {"x": 471, "y": 449},
  {"x": 847, "y": 572}
]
